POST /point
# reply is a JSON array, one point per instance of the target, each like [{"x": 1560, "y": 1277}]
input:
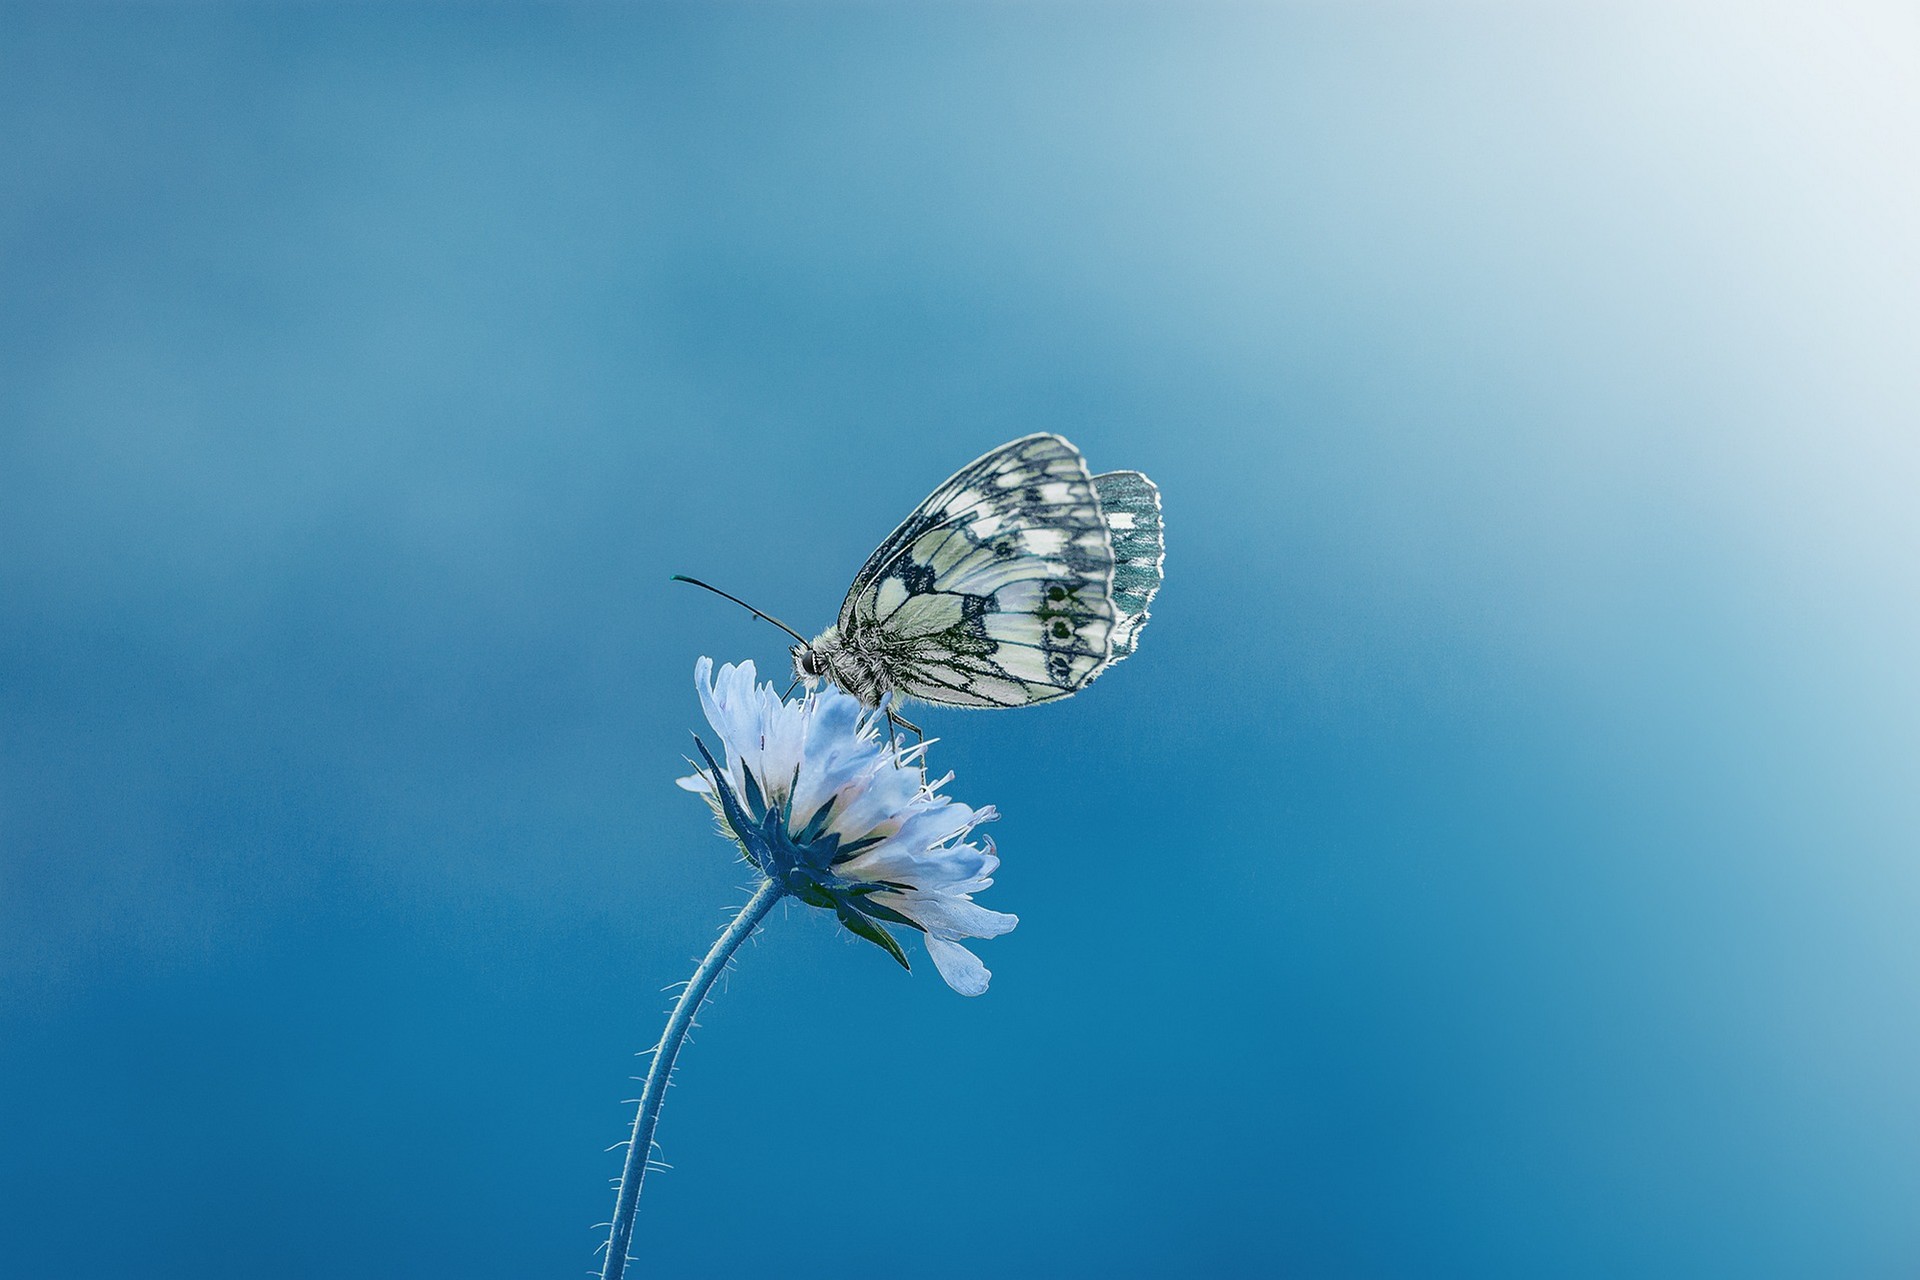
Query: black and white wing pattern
[
  {"x": 1131, "y": 505},
  {"x": 999, "y": 589}
]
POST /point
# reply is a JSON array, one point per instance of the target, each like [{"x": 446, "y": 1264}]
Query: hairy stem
[{"x": 640, "y": 1146}]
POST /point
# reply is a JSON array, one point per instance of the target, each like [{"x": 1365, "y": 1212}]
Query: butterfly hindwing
[
  {"x": 1131, "y": 504},
  {"x": 996, "y": 591}
]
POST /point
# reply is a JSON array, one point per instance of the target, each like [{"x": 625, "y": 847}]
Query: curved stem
[{"x": 640, "y": 1146}]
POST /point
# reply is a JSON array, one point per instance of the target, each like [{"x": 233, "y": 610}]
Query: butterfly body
[
  {"x": 1018, "y": 581},
  {"x": 859, "y": 669}
]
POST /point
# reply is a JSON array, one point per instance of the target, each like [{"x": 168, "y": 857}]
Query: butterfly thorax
[{"x": 859, "y": 668}]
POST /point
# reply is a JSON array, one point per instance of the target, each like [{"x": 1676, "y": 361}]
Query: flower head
[{"x": 840, "y": 816}]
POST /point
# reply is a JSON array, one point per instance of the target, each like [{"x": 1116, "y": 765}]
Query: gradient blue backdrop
[{"x": 1499, "y": 860}]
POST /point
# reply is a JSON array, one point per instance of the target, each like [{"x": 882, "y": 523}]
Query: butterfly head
[
  {"x": 808, "y": 662},
  {"x": 813, "y": 660}
]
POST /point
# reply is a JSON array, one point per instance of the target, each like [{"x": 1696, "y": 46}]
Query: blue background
[{"x": 1498, "y": 860}]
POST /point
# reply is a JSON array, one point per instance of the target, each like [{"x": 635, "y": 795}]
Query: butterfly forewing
[{"x": 995, "y": 592}]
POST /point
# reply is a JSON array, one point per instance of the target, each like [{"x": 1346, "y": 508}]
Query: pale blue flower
[{"x": 837, "y": 814}]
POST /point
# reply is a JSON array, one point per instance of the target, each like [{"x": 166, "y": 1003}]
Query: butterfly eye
[
  {"x": 1056, "y": 593},
  {"x": 1061, "y": 630}
]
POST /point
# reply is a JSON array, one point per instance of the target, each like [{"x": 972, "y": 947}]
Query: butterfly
[{"x": 1019, "y": 580}]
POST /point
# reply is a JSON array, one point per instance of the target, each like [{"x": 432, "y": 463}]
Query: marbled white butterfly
[{"x": 1017, "y": 581}]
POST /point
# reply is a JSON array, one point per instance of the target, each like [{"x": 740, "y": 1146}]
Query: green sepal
[
  {"x": 754, "y": 799},
  {"x": 867, "y": 906},
  {"x": 846, "y": 851},
  {"x": 731, "y": 813},
  {"x": 811, "y": 893},
  {"x": 817, "y": 824},
  {"x": 860, "y": 926}
]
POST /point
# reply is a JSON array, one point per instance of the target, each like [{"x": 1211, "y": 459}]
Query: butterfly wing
[
  {"x": 1131, "y": 505},
  {"x": 995, "y": 592}
]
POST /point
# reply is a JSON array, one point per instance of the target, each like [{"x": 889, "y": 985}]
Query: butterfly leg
[{"x": 894, "y": 719}]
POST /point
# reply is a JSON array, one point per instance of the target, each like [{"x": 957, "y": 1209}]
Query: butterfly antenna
[{"x": 681, "y": 577}]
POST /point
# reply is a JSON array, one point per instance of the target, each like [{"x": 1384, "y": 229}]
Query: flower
[{"x": 842, "y": 818}]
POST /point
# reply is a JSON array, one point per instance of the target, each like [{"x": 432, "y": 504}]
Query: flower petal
[
  {"x": 959, "y": 966},
  {"x": 948, "y": 915}
]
